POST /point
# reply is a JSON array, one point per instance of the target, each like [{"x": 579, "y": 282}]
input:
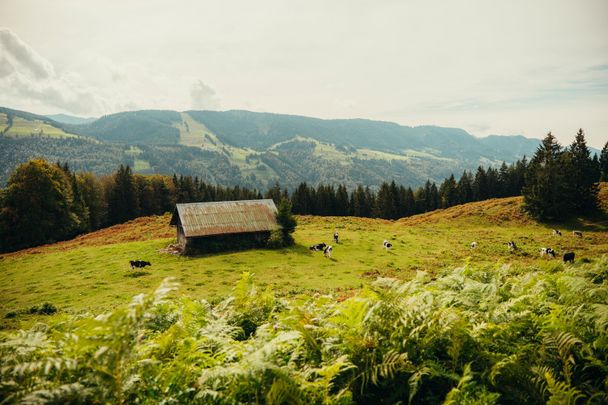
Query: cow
[
  {"x": 387, "y": 245},
  {"x": 512, "y": 246},
  {"x": 473, "y": 245},
  {"x": 577, "y": 234},
  {"x": 569, "y": 257},
  {"x": 547, "y": 251},
  {"x": 557, "y": 232},
  {"x": 318, "y": 247},
  {"x": 140, "y": 264},
  {"x": 336, "y": 237},
  {"x": 327, "y": 251}
]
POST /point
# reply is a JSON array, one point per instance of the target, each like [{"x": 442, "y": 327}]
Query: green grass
[
  {"x": 22, "y": 127},
  {"x": 98, "y": 277}
]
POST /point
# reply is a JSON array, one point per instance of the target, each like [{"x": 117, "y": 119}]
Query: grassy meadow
[
  {"x": 22, "y": 127},
  {"x": 92, "y": 273}
]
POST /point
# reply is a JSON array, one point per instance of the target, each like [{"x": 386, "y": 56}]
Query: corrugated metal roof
[{"x": 224, "y": 217}]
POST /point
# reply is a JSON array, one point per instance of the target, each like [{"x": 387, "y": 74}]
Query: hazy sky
[{"x": 490, "y": 67}]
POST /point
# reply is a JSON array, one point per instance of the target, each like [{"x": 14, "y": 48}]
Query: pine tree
[
  {"x": 287, "y": 221},
  {"x": 274, "y": 193},
  {"x": 145, "y": 195},
  {"x": 385, "y": 202},
  {"x": 493, "y": 188},
  {"x": 546, "y": 191},
  {"x": 78, "y": 208},
  {"x": 434, "y": 199},
  {"x": 480, "y": 185},
  {"x": 448, "y": 192},
  {"x": 427, "y": 194},
  {"x": 465, "y": 188},
  {"x": 582, "y": 177},
  {"x": 360, "y": 205},
  {"x": 162, "y": 195},
  {"x": 342, "y": 201},
  {"x": 504, "y": 179},
  {"x": 604, "y": 163},
  {"x": 409, "y": 202},
  {"x": 597, "y": 171},
  {"x": 122, "y": 204},
  {"x": 302, "y": 200},
  {"x": 519, "y": 176}
]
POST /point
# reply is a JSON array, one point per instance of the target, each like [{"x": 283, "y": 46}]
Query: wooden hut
[{"x": 224, "y": 225}]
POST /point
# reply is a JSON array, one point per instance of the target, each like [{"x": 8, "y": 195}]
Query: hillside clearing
[
  {"x": 92, "y": 272},
  {"x": 22, "y": 127}
]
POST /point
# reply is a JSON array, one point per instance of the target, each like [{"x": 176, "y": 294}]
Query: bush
[
  {"x": 47, "y": 309},
  {"x": 275, "y": 240}
]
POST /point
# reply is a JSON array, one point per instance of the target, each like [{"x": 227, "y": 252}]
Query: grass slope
[
  {"x": 92, "y": 272},
  {"x": 23, "y": 127}
]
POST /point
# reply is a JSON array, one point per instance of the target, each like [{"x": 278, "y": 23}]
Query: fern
[
  {"x": 532, "y": 336},
  {"x": 391, "y": 363},
  {"x": 455, "y": 396}
]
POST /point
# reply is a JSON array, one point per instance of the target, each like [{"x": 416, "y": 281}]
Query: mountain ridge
[{"x": 257, "y": 149}]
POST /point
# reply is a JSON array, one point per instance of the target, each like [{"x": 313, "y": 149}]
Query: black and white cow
[
  {"x": 327, "y": 251},
  {"x": 473, "y": 245},
  {"x": 547, "y": 251},
  {"x": 557, "y": 232},
  {"x": 336, "y": 237},
  {"x": 512, "y": 246},
  {"x": 387, "y": 245},
  {"x": 140, "y": 264},
  {"x": 569, "y": 257},
  {"x": 318, "y": 247}
]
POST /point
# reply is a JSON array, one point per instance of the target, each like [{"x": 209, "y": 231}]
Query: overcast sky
[{"x": 490, "y": 67}]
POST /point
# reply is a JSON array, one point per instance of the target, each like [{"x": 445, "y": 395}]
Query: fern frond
[{"x": 392, "y": 362}]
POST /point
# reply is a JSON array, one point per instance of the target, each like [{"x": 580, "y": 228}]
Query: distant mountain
[
  {"x": 517, "y": 144},
  {"x": 147, "y": 127},
  {"x": 70, "y": 119},
  {"x": 257, "y": 149}
]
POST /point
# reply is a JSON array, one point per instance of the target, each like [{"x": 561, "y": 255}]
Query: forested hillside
[{"x": 255, "y": 149}]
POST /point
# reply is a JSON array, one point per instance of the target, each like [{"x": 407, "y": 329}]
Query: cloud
[
  {"x": 28, "y": 78},
  {"x": 91, "y": 83},
  {"x": 24, "y": 56},
  {"x": 203, "y": 97}
]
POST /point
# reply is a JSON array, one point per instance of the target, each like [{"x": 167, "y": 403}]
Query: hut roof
[{"x": 225, "y": 217}]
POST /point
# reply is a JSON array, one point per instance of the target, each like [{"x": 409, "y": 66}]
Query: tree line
[
  {"x": 45, "y": 202},
  {"x": 392, "y": 201}
]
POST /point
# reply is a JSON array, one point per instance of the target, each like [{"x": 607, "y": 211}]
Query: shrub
[
  {"x": 47, "y": 309},
  {"x": 275, "y": 240}
]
